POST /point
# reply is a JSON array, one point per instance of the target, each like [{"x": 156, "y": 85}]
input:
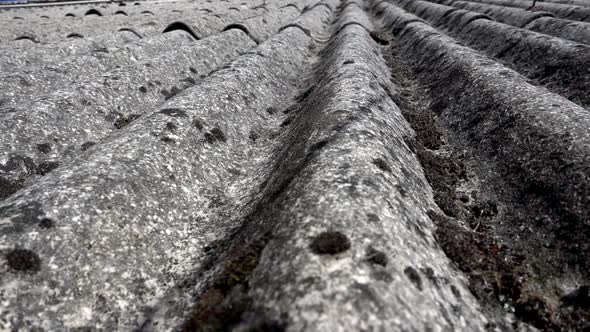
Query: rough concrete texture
[
  {"x": 552, "y": 62},
  {"x": 565, "y": 11},
  {"x": 538, "y": 21},
  {"x": 280, "y": 165}
]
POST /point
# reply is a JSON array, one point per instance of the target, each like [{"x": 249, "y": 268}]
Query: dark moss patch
[
  {"x": 271, "y": 110},
  {"x": 23, "y": 260},
  {"x": 376, "y": 257},
  {"x": 318, "y": 146},
  {"x": 443, "y": 173},
  {"x": 303, "y": 95},
  {"x": 46, "y": 223},
  {"x": 170, "y": 127},
  {"x": 47, "y": 166},
  {"x": 198, "y": 124},
  {"x": 293, "y": 108},
  {"x": 189, "y": 80},
  {"x": 382, "y": 165},
  {"x": 253, "y": 136},
  {"x": 462, "y": 246},
  {"x": 174, "y": 112},
  {"x": 223, "y": 305},
  {"x": 534, "y": 310},
  {"x": 455, "y": 291},
  {"x": 165, "y": 93},
  {"x": 263, "y": 324},
  {"x": 173, "y": 92},
  {"x": 373, "y": 218},
  {"x": 427, "y": 131},
  {"x": 123, "y": 120},
  {"x": 430, "y": 275},
  {"x": 23, "y": 164},
  {"x": 330, "y": 243},
  {"x": 142, "y": 89},
  {"x": 578, "y": 298},
  {"x": 380, "y": 37},
  {"x": 44, "y": 148},
  {"x": 167, "y": 139},
  {"x": 414, "y": 277},
  {"x": 87, "y": 145},
  {"x": 9, "y": 186},
  {"x": 215, "y": 135},
  {"x": 287, "y": 121},
  {"x": 402, "y": 191}
]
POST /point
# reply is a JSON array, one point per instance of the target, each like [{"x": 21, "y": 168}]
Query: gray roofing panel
[
  {"x": 313, "y": 21},
  {"x": 89, "y": 109},
  {"x": 314, "y": 165},
  {"x": 351, "y": 13},
  {"x": 517, "y": 17},
  {"x": 572, "y": 30},
  {"x": 115, "y": 262},
  {"x": 542, "y": 114},
  {"x": 392, "y": 18},
  {"x": 36, "y": 81},
  {"x": 335, "y": 185},
  {"x": 14, "y": 58},
  {"x": 583, "y": 3},
  {"x": 260, "y": 28},
  {"x": 542, "y": 22},
  {"x": 52, "y": 30},
  {"x": 553, "y": 62},
  {"x": 569, "y": 12}
]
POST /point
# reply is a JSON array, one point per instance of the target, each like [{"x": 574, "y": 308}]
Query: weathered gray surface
[
  {"x": 565, "y": 11},
  {"x": 558, "y": 64},
  {"x": 542, "y": 22},
  {"x": 333, "y": 144},
  {"x": 517, "y": 17},
  {"x": 334, "y": 165}
]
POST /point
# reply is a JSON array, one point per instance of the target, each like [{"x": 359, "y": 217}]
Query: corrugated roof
[{"x": 327, "y": 165}]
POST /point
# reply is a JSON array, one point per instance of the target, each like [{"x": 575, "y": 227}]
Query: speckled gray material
[
  {"x": 130, "y": 171},
  {"x": 39, "y": 53},
  {"x": 32, "y": 66},
  {"x": 47, "y": 31},
  {"x": 560, "y": 65},
  {"x": 542, "y": 22},
  {"x": 260, "y": 28},
  {"x": 546, "y": 124},
  {"x": 85, "y": 112},
  {"x": 392, "y": 18},
  {"x": 582, "y": 3},
  {"x": 105, "y": 263},
  {"x": 54, "y": 53},
  {"x": 572, "y": 30},
  {"x": 313, "y": 21},
  {"x": 352, "y": 13},
  {"x": 34, "y": 82},
  {"x": 449, "y": 18},
  {"x": 569, "y": 12},
  {"x": 345, "y": 129},
  {"x": 517, "y": 17}
]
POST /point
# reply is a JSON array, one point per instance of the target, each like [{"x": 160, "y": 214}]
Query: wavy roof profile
[{"x": 317, "y": 165}]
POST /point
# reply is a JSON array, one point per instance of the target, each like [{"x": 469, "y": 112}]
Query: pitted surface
[{"x": 315, "y": 165}]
